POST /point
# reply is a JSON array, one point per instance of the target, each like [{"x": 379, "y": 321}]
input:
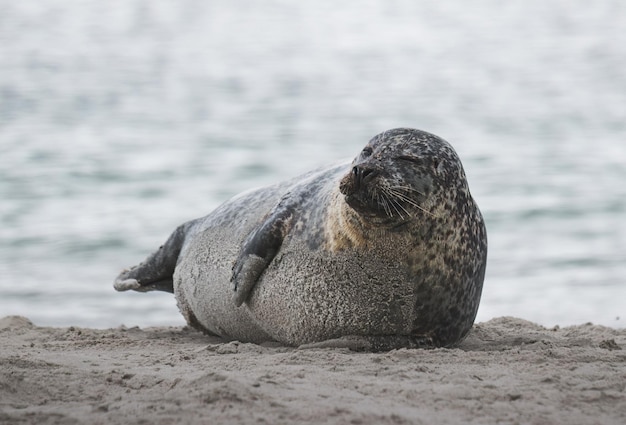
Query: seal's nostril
[
  {"x": 362, "y": 174},
  {"x": 365, "y": 173}
]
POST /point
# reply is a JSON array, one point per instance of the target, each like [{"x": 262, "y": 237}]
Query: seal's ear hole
[{"x": 437, "y": 165}]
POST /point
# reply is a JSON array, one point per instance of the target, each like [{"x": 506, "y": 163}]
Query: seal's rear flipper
[
  {"x": 121, "y": 284},
  {"x": 156, "y": 273}
]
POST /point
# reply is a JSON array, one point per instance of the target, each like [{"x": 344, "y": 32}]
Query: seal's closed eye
[{"x": 409, "y": 158}]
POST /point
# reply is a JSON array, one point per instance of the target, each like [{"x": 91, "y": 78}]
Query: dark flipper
[
  {"x": 157, "y": 271},
  {"x": 260, "y": 248}
]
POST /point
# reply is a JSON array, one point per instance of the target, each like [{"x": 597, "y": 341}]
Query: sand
[{"x": 508, "y": 371}]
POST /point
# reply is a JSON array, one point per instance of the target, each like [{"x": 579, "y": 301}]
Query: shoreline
[{"x": 508, "y": 370}]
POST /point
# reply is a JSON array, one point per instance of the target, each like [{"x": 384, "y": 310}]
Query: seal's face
[{"x": 397, "y": 176}]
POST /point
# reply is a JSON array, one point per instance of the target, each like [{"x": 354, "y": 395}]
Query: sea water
[{"x": 121, "y": 119}]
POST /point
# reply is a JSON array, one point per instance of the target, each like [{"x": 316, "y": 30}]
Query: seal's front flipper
[
  {"x": 157, "y": 271},
  {"x": 259, "y": 250},
  {"x": 374, "y": 343}
]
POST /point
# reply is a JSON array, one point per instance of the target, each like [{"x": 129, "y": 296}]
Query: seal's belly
[
  {"x": 302, "y": 299},
  {"x": 302, "y": 296}
]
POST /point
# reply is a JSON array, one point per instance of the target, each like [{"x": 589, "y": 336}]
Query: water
[{"x": 120, "y": 120}]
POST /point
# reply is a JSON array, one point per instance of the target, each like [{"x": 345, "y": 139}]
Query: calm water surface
[{"x": 120, "y": 120}]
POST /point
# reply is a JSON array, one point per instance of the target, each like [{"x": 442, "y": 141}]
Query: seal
[{"x": 386, "y": 251}]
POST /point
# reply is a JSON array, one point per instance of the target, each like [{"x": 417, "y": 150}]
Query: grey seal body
[{"x": 384, "y": 252}]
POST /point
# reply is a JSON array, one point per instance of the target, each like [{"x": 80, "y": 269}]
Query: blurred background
[{"x": 121, "y": 119}]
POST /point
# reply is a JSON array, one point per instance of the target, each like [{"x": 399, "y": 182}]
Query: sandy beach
[{"x": 508, "y": 371}]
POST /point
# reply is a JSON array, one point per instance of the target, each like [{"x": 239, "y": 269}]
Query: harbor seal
[{"x": 386, "y": 251}]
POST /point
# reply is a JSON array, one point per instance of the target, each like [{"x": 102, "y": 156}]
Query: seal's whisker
[
  {"x": 404, "y": 197},
  {"x": 414, "y": 204},
  {"x": 390, "y": 196},
  {"x": 408, "y": 200},
  {"x": 403, "y": 209},
  {"x": 387, "y": 207},
  {"x": 383, "y": 202},
  {"x": 395, "y": 205},
  {"x": 407, "y": 189}
]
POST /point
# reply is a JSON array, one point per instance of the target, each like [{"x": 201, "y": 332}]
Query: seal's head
[{"x": 400, "y": 175}]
